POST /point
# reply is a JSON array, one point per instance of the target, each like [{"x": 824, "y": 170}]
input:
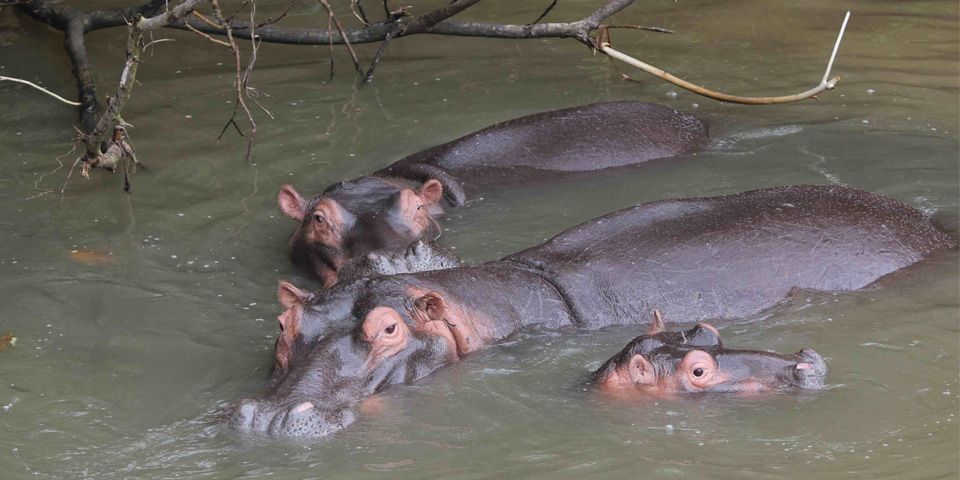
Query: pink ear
[
  {"x": 432, "y": 304},
  {"x": 641, "y": 371},
  {"x": 291, "y": 202},
  {"x": 290, "y": 296},
  {"x": 431, "y": 191},
  {"x": 657, "y": 325}
]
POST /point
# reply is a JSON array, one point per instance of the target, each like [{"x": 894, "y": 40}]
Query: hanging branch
[
  {"x": 103, "y": 150},
  {"x": 38, "y": 87},
  {"x": 604, "y": 46}
]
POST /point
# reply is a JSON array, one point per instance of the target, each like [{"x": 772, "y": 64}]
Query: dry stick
[
  {"x": 275, "y": 20},
  {"x": 238, "y": 10},
  {"x": 238, "y": 80},
  {"x": 545, "y": 12},
  {"x": 812, "y": 93},
  {"x": 38, "y": 87},
  {"x": 376, "y": 58},
  {"x": 358, "y": 12},
  {"x": 343, "y": 35},
  {"x": 330, "y": 34},
  {"x": 640, "y": 27},
  {"x": 253, "y": 93},
  {"x": 208, "y": 37}
]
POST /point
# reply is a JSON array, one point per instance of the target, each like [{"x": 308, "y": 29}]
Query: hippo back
[
  {"x": 579, "y": 139},
  {"x": 731, "y": 256}
]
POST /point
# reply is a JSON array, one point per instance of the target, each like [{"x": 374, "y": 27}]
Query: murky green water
[{"x": 119, "y": 366}]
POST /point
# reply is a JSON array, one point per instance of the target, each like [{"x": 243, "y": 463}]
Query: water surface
[{"x": 139, "y": 316}]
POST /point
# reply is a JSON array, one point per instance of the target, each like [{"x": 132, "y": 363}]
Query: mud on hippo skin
[
  {"x": 719, "y": 258},
  {"x": 396, "y": 205},
  {"x": 696, "y": 361}
]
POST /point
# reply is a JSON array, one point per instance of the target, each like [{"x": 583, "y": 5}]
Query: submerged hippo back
[
  {"x": 590, "y": 137},
  {"x": 731, "y": 256}
]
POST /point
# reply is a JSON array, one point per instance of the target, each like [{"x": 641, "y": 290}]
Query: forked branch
[{"x": 604, "y": 46}]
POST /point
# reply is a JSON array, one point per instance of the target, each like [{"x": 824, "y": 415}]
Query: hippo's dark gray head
[
  {"x": 696, "y": 361},
  {"x": 351, "y": 219},
  {"x": 342, "y": 345}
]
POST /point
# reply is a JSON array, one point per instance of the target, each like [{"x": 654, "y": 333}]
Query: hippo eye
[
  {"x": 391, "y": 329},
  {"x": 318, "y": 217},
  {"x": 698, "y": 372}
]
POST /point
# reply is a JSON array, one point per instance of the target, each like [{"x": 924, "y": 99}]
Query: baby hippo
[{"x": 696, "y": 361}]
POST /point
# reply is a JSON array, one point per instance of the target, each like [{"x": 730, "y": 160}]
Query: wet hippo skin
[
  {"x": 696, "y": 361},
  {"x": 718, "y": 258},
  {"x": 395, "y": 206}
]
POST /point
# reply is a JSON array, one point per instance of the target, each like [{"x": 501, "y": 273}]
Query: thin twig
[
  {"x": 343, "y": 35},
  {"x": 330, "y": 32},
  {"x": 157, "y": 41},
  {"x": 207, "y": 20},
  {"x": 641, "y": 27},
  {"x": 272, "y": 20},
  {"x": 545, "y": 12},
  {"x": 38, "y": 87},
  {"x": 69, "y": 174},
  {"x": 208, "y": 37},
  {"x": 812, "y": 93},
  {"x": 358, "y": 12},
  {"x": 376, "y": 59},
  {"x": 237, "y": 11}
]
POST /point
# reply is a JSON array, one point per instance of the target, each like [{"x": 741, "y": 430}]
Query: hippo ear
[
  {"x": 432, "y": 304},
  {"x": 641, "y": 371},
  {"x": 289, "y": 325},
  {"x": 291, "y": 202},
  {"x": 431, "y": 191},
  {"x": 290, "y": 295},
  {"x": 657, "y": 325}
]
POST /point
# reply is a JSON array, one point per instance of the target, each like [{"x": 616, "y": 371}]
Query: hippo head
[
  {"x": 341, "y": 345},
  {"x": 696, "y": 361},
  {"x": 353, "y": 218}
]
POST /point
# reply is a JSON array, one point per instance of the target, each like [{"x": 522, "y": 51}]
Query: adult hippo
[
  {"x": 719, "y": 258},
  {"x": 395, "y": 206},
  {"x": 695, "y": 361}
]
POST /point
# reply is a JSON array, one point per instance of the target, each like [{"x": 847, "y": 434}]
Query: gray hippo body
[
  {"x": 717, "y": 258},
  {"x": 395, "y": 206}
]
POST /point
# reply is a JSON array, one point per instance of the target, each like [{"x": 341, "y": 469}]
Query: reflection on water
[{"x": 138, "y": 317}]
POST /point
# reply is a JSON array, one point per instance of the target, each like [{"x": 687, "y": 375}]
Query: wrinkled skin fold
[
  {"x": 719, "y": 259},
  {"x": 397, "y": 205}
]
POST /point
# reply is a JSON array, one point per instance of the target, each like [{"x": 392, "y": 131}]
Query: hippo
[
  {"x": 419, "y": 256},
  {"x": 693, "y": 361},
  {"x": 395, "y": 206},
  {"x": 720, "y": 259}
]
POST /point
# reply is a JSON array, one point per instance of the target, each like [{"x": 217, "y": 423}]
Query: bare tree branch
[
  {"x": 38, "y": 87},
  {"x": 723, "y": 97}
]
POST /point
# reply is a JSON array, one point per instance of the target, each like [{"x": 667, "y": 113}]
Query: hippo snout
[
  {"x": 810, "y": 370},
  {"x": 299, "y": 419}
]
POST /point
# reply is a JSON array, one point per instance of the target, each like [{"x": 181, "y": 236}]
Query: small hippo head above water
[
  {"x": 696, "y": 361},
  {"x": 353, "y": 218}
]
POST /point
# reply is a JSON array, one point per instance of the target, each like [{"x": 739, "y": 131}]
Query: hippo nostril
[
  {"x": 303, "y": 407},
  {"x": 804, "y": 366},
  {"x": 242, "y": 417}
]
